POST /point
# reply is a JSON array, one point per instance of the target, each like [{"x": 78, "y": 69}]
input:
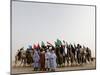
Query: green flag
[
  {"x": 42, "y": 43},
  {"x": 55, "y": 44},
  {"x": 59, "y": 42}
]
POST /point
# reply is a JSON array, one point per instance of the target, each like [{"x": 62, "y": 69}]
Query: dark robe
[{"x": 42, "y": 60}]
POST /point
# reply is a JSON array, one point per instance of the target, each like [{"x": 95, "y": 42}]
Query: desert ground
[{"x": 21, "y": 69}]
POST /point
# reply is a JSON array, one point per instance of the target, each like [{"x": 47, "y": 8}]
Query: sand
[{"x": 21, "y": 69}]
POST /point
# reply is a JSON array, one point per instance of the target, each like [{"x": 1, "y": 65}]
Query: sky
[{"x": 35, "y": 22}]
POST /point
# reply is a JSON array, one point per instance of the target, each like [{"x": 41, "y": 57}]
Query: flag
[
  {"x": 42, "y": 44},
  {"x": 49, "y": 43},
  {"x": 55, "y": 44},
  {"x": 29, "y": 47},
  {"x": 38, "y": 46},
  {"x": 59, "y": 42},
  {"x": 34, "y": 46}
]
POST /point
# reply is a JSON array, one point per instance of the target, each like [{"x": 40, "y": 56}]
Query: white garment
[
  {"x": 53, "y": 63},
  {"x": 47, "y": 59},
  {"x": 65, "y": 50},
  {"x": 36, "y": 59}
]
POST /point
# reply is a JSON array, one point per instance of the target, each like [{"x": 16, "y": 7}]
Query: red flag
[
  {"x": 34, "y": 46},
  {"x": 38, "y": 46}
]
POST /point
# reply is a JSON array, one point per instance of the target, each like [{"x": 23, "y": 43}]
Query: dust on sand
[{"x": 21, "y": 70}]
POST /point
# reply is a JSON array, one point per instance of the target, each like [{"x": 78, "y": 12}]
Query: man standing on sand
[
  {"x": 53, "y": 63},
  {"x": 36, "y": 59},
  {"x": 42, "y": 60},
  {"x": 47, "y": 60}
]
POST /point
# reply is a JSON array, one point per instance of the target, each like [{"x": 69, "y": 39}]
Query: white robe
[
  {"x": 47, "y": 59},
  {"x": 65, "y": 50},
  {"x": 36, "y": 59},
  {"x": 53, "y": 63}
]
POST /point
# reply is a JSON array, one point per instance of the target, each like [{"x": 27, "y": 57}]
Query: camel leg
[
  {"x": 21, "y": 62},
  {"x": 16, "y": 60}
]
